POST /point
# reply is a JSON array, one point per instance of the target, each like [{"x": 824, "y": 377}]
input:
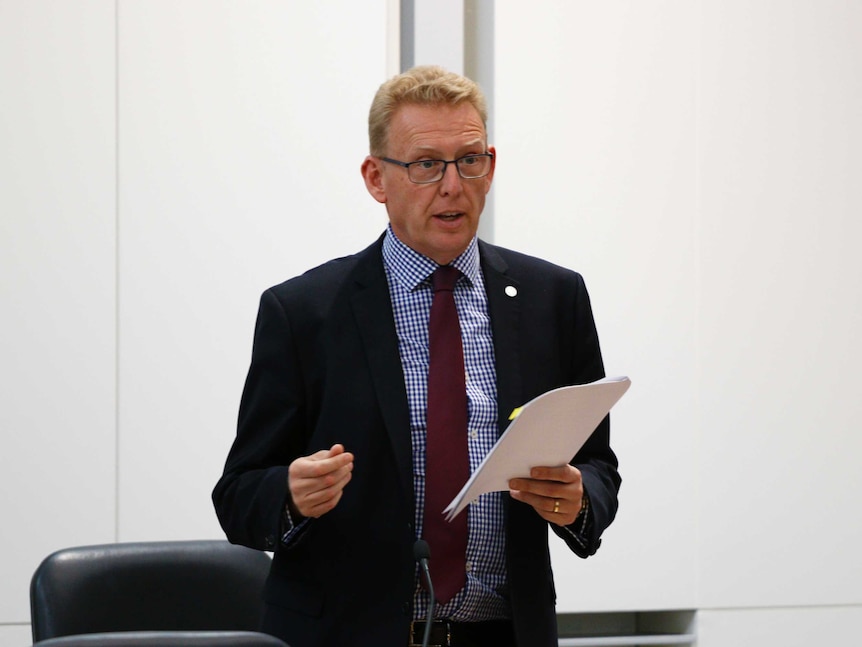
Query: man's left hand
[{"x": 555, "y": 493}]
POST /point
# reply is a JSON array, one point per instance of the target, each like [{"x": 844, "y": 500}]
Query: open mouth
[{"x": 449, "y": 217}]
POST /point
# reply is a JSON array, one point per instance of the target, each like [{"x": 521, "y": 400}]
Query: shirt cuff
[
  {"x": 580, "y": 528},
  {"x": 291, "y": 532}
]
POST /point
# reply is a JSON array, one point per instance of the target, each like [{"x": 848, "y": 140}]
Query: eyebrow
[{"x": 477, "y": 143}]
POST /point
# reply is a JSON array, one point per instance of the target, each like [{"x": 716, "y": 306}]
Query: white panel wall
[
  {"x": 161, "y": 163},
  {"x": 242, "y": 129},
  {"x": 595, "y": 139},
  {"x": 16, "y": 635},
  {"x": 438, "y": 34},
  {"x": 779, "y": 137},
  {"x": 783, "y": 627},
  {"x": 699, "y": 163},
  {"x": 57, "y": 287}
]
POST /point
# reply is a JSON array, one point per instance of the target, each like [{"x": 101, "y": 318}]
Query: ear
[
  {"x": 490, "y": 177},
  {"x": 372, "y": 173}
]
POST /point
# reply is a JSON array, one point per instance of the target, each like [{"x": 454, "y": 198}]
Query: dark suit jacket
[{"x": 325, "y": 369}]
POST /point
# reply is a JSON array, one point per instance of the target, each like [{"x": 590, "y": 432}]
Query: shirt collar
[{"x": 412, "y": 269}]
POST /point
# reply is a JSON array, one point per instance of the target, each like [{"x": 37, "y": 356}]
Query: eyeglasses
[{"x": 470, "y": 167}]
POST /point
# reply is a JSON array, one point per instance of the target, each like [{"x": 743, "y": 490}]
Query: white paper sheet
[{"x": 548, "y": 431}]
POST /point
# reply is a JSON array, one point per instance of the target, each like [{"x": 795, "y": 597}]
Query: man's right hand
[{"x": 317, "y": 482}]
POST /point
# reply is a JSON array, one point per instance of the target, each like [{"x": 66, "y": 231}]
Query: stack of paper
[{"x": 547, "y": 431}]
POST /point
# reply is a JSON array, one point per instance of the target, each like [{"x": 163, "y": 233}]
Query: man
[{"x": 329, "y": 470}]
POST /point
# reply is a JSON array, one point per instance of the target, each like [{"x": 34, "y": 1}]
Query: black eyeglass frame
[{"x": 445, "y": 163}]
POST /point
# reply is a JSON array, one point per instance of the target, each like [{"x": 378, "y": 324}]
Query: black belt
[{"x": 445, "y": 633}]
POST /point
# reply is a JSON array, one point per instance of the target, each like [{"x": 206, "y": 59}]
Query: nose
[{"x": 451, "y": 181}]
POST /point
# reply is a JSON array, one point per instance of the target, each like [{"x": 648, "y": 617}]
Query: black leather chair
[
  {"x": 166, "y": 639},
  {"x": 180, "y": 586}
]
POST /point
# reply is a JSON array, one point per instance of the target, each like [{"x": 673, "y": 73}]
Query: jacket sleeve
[
  {"x": 251, "y": 495},
  {"x": 596, "y": 460}
]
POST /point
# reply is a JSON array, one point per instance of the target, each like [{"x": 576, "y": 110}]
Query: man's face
[{"x": 438, "y": 219}]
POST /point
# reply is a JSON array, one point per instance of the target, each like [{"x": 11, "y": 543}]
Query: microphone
[{"x": 422, "y": 553}]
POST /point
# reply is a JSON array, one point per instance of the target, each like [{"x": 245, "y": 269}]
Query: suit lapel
[
  {"x": 505, "y": 312},
  {"x": 372, "y": 307}
]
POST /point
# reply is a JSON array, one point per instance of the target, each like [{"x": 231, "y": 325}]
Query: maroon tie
[{"x": 447, "y": 465}]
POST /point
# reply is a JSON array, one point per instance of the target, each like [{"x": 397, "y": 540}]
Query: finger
[
  {"x": 305, "y": 482},
  {"x": 550, "y": 489},
  {"x": 561, "y": 473},
  {"x": 336, "y": 449},
  {"x": 320, "y": 463},
  {"x": 332, "y": 458},
  {"x": 559, "y": 511},
  {"x": 312, "y": 500},
  {"x": 323, "y": 454},
  {"x": 540, "y": 503},
  {"x": 321, "y": 508}
]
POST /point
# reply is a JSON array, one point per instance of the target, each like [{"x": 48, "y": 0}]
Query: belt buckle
[{"x": 441, "y": 624}]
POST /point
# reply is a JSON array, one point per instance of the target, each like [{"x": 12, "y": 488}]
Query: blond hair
[{"x": 422, "y": 85}]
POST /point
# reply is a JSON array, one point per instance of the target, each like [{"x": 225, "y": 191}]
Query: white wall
[
  {"x": 596, "y": 143},
  {"x": 57, "y": 288},
  {"x": 779, "y": 137},
  {"x": 239, "y": 168},
  {"x": 802, "y": 626},
  {"x": 699, "y": 163},
  {"x": 162, "y": 162}
]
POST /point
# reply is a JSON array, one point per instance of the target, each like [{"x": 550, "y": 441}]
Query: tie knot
[{"x": 444, "y": 278}]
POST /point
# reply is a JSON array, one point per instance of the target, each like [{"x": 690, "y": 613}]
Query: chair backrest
[
  {"x": 166, "y": 639},
  {"x": 149, "y": 586}
]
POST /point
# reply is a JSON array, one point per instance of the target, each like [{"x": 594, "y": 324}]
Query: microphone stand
[{"x": 422, "y": 553}]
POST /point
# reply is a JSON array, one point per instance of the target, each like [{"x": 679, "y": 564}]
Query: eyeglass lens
[{"x": 470, "y": 167}]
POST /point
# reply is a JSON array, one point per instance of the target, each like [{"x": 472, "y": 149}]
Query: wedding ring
[{"x": 556, "y": 506}]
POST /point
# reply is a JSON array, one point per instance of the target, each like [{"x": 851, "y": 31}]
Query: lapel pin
[{"x": 511, "y": 291}]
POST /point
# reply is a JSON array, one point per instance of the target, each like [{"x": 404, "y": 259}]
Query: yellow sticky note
[{"x": 515, "y": 412}]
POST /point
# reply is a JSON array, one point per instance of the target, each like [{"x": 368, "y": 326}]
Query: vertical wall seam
[
  {"x": 698, "y": 291},
  {"x": 479, "y": 65},
  {"x": 408, "y": 34},
  {"x": 116, "y": 270}
]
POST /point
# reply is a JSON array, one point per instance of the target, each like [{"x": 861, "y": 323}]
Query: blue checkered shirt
[{"x": 409, "y": 276}]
